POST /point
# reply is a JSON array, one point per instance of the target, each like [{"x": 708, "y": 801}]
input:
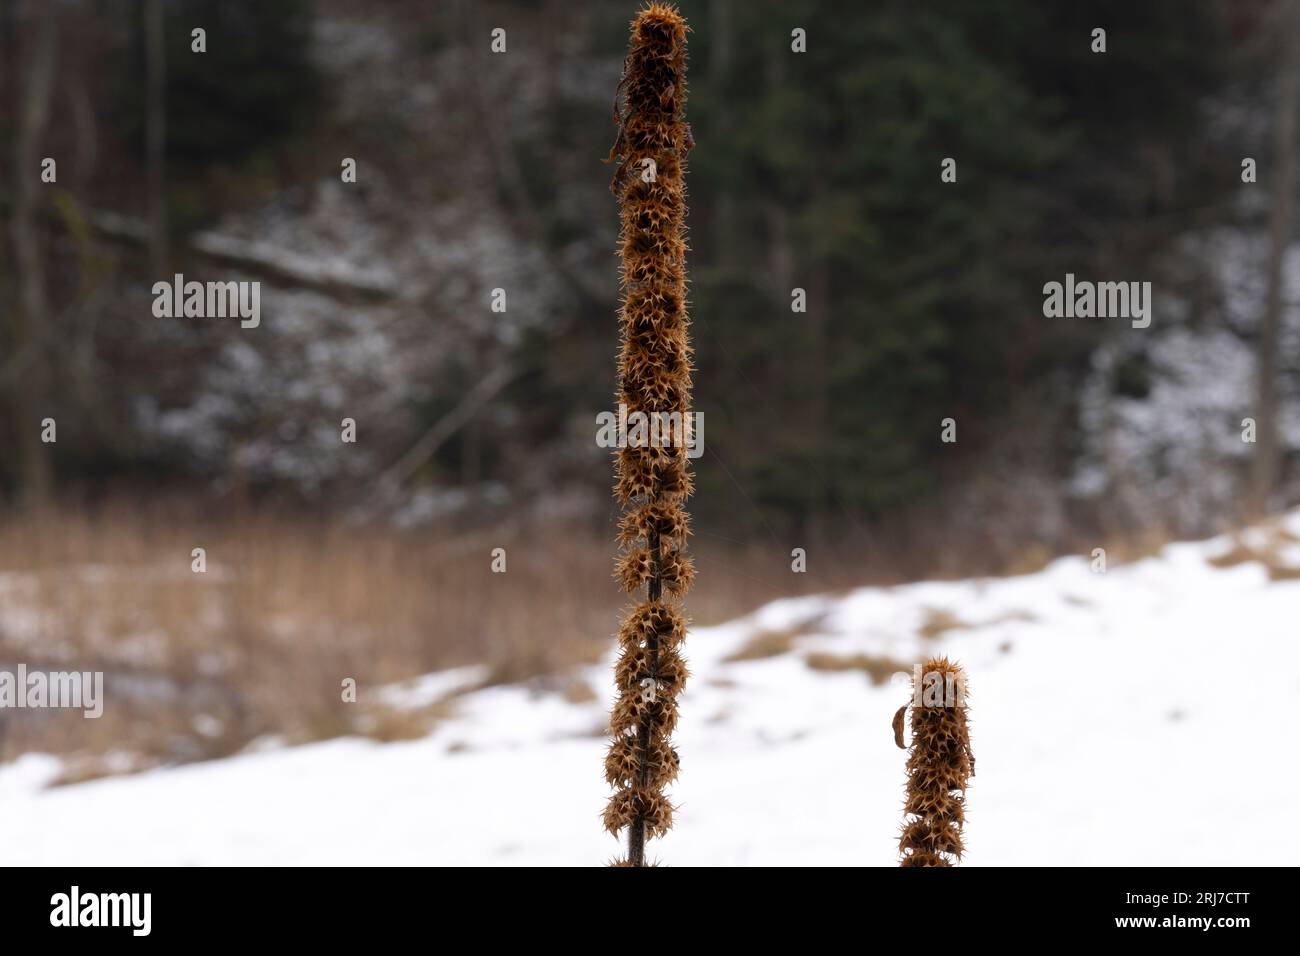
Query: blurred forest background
[{"x": 475, "y": 429}]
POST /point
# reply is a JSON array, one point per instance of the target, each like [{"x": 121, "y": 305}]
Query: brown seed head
[{"x": 939, "y": 765}]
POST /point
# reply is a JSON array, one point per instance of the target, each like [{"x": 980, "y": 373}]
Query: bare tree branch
[{"x": 428, "y": 444}]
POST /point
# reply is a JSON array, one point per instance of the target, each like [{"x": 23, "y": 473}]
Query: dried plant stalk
[
  {"x": 653, "y": 480},
  {"x": 939, "y": 766}
]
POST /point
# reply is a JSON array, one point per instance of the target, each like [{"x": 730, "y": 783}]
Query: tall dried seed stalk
[
  {"x": 653, "y": 481},
  {"x": 938, "y": 767}
]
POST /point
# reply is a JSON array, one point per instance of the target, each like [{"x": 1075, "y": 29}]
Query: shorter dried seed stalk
[{"x": 939, "y": 765}]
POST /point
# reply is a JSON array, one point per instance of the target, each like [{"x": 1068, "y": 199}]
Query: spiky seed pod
[
  {"x": 647, "y": 564},
  {"x": 654, "y": 517},
  {"x": 637, "y": 665},
  {"x": 645, "y": 472},
  {"x": 652, "y": 619},
  {"x": 939, "y": 766},
  {"x": 623, "y": 763},
  {"x": 632, "y": 712},
  {"x": 638, "y": 805},
  {"x": 652, "y": 477}
]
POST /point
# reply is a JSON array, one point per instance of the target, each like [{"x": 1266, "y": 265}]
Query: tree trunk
[
  {"x": 156, "y": 134},
  {"x": 27, "y": 325},
  {"x": 1265, "y": 467},
  {"x": 724, "y": 209}
]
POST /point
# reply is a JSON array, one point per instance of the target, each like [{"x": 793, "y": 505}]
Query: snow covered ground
[{"x": 1145, "y": 715}]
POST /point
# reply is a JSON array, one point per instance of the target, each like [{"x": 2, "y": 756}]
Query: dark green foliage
[
  {"x": 255, "y": 84},
  {"x": 924, "y": 297}
]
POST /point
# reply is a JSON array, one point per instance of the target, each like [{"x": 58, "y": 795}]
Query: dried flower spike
[
  {"x": 939, "y": 765},
  {"x": 653, "y": 479}
]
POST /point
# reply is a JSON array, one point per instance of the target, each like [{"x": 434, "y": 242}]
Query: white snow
[{"x": 1139, "y": 716}]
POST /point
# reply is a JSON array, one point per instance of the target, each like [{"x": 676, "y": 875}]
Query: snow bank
[{"x": 1136, "y": 716}]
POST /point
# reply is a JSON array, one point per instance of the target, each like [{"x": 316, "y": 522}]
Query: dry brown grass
[
  {"x": 388, "y": 724},
  {"x": 1237, "y": 554},
  {"x": 197, "y": 665},
  {"x": 763, "y": 645},
  {"x": 878, "y": 669},
  {"x": 938, "y": 622},
  {"x": 1265, "y": 549}
]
